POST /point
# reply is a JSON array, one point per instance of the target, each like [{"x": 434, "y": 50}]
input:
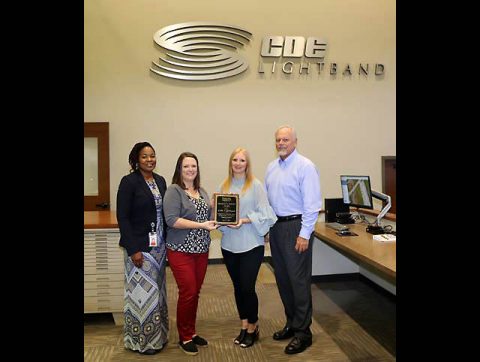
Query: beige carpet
[{"x": 218, "y": 322}]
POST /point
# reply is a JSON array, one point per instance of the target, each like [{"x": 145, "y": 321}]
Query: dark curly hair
[
  {"x": 177, "y": 176},
  {"x": 135, "y": 154}
]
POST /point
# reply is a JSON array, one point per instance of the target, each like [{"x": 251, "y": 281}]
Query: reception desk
[
  {"x": 100, "y": 220},
  {"x": 379, "y": 255},
  {"x": 103, "y": 267},
  {"x": 351, "y": 254}
]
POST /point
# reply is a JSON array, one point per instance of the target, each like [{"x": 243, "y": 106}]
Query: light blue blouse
[{"x": 253, "y": 205}]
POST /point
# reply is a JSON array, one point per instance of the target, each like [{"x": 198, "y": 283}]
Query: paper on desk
[{"x": 385, "y": 238}]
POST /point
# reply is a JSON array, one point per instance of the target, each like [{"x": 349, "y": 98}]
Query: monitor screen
[{"x": 356, "y": 191}]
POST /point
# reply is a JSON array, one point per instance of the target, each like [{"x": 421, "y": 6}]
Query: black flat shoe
[
  {"x": 199, "y": 341},
  {"x": 250, "y": 338},
  {"x": 189, "y": 348},
  {"x": 285, "y": 333},
  {"x": 297, "y": 345},
  {"x": 240, "y": 337}
]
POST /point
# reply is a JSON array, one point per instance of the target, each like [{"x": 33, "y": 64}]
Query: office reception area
[{"x": 210, "y": 77}]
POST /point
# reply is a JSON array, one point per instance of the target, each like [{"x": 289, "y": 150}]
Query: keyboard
[{"x": 336, "y": 226}]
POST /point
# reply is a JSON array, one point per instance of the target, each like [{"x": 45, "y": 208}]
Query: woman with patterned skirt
[
  {"x": 142, "y": 235},
  {"x": 187, "y": 215}
]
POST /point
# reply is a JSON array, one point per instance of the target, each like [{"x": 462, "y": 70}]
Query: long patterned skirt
[{"x": 145, "y": 309}]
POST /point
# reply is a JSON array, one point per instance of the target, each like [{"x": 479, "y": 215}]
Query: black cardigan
[{"x": 136, "y": 211}]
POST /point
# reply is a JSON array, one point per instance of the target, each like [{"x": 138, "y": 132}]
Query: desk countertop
[
  {"x": 100, "y": 220},
  {"x": 381, "y": 256}
]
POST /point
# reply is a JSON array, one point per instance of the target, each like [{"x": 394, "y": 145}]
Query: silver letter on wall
[
  {"x": 272, "y": 46},
  {"x": 294, "y": 46},
  {"x": 290, "y": 69},
  {"x": 379, "y": 69},
  {"x": 316, "y": 47}
]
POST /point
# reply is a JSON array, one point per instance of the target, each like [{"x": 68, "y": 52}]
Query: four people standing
[
  {"x": 182, "y": 232},
  {"x": 142, "y": 235},
  {"x": 293, "y": 188},
  {"x": 243, "y": 244}
]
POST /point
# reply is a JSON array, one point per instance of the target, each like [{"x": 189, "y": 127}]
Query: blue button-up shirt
[{"x": 293, "y": 187}]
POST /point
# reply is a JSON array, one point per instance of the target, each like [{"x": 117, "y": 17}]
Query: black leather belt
[{"x": 288, "y": 218}]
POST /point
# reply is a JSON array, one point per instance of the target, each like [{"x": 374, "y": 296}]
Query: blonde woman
[{"x": 243, "y": 244}]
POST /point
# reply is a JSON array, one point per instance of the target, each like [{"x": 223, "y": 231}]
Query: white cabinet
[{"x": 103, "y": 271}]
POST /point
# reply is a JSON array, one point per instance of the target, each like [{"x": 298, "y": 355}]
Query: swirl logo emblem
[{"x": 201, "y": 51}]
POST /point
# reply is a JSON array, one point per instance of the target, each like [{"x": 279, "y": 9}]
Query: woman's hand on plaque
[
  {"x": 209, "y": 225},
  {"x": 236, "y": 226}
]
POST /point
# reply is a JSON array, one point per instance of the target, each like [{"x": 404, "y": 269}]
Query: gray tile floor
[{"x": 359, "y": 305}]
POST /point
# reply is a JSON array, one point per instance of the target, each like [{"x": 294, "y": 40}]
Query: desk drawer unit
[{"x": 103, "y": 271}]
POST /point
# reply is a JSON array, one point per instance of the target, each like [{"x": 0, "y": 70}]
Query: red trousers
[{"x": 189, "y": 270}]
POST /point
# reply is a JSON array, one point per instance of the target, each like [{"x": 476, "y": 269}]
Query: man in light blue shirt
[{"x": 293, "y": 188}]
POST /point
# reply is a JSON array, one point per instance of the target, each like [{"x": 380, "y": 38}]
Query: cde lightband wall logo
[
  {"x": 201, "y": 51},
  {"x": 210, "y": 51}
]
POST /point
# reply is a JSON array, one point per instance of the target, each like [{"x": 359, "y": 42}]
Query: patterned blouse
[
  {"x": 158, "y": 204},
  {"x": 197, "y": 240}
]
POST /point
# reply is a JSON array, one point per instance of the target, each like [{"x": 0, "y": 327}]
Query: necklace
[{"x": 193, "y": 194}]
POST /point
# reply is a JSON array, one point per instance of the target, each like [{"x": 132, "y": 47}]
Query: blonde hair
[{"x": 248, "y": 172}]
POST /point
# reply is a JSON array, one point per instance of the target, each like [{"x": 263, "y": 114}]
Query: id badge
[{"x": 152, "y": 239}]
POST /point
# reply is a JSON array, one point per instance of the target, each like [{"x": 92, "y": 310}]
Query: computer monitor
[
  {"x": 334, "y": 206},
  {"x": 356, "y": 191}
]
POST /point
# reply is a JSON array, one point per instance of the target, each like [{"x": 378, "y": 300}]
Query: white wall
[
  {"x": 344, "y": 125},
  {"x": 328, "y": 261}
]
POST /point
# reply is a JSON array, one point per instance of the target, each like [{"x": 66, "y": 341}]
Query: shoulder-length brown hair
[
  {"x": 248, "y": 172},
  {"x": 177, "y": 175}
]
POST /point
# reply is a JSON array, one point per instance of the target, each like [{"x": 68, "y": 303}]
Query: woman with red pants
[{"x": 187, "y": 215}]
